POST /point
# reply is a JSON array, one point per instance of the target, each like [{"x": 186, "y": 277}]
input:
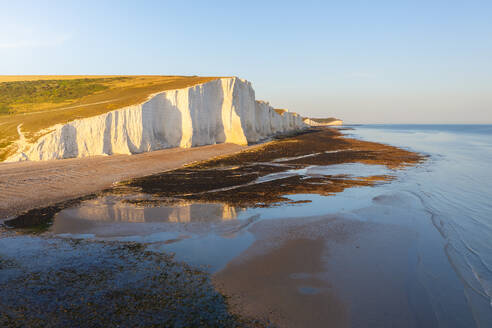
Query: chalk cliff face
[
  {"x": 310, "y": 122},
  {"x": 223, "y": 110}
]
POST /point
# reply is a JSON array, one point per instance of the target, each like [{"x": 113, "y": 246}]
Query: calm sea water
[{"x": 455, "y": 188}]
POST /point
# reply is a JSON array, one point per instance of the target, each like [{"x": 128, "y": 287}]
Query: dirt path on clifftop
[{"x": 28, "y": 185}]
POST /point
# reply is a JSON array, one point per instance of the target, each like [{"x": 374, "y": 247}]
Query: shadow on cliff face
[
  {"x": 244, "y": 99},
  {"x": 69, "y": 139},
  {"x": 156, "y": 135},
  {"x": 206, "y": 114},
  {"x": 220, "y": 136},
  {"x": 107, "y": 144}
]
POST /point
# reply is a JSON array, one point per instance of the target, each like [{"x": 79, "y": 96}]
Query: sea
[{"x": 454, "y": 186}]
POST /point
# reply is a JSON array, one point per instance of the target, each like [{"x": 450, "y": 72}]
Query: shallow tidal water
[
  {"x": 415, "y": 251},
  {"x": 455, "y": 188}
]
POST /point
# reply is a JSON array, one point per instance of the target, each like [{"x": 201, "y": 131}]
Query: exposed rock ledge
[{"x": 219, "y": 111}]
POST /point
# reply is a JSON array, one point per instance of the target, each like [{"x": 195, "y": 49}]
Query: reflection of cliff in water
[{"x": 108, "y": 210}]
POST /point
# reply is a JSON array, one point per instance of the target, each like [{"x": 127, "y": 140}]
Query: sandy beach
[
  {"x": 326, "y": 271},
  {"x": 27, "y": 185}
]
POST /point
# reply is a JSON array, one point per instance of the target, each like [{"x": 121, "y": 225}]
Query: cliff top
[
  {"x": 40, "y": 101},
  {"x": 280, "y": 111}
]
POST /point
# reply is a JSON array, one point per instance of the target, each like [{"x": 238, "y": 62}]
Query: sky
[{"x": 361, "y": 61}]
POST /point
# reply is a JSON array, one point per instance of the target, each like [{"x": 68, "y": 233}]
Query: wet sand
[{"x": 324, "y": 272}]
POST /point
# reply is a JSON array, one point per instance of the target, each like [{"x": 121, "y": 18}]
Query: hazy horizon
[{"x": 390, "y": 62}]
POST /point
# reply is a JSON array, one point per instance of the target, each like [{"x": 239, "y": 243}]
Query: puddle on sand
[
  {"x": 209, "y": 234},
  {"x": 200, "y": 234},
  {"x": 309, "y": 290},
  {"x": 117, "y": 209}
]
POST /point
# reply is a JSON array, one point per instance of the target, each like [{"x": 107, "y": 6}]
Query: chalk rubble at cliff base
[{"x": 219, "y": 111}]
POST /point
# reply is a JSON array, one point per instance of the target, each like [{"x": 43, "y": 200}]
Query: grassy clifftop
[{"x": 38, "y": 102}]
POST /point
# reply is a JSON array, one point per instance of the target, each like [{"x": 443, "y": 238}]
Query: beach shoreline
[
  {"x": 28, "y": 185},
  {"x": 200, "y": 174},
  {"x": 262, "y": 285}
]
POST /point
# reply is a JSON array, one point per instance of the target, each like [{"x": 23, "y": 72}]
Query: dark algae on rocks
[
  {"x": 266, "y": 175},
  {"x": 75, "y": 283}
]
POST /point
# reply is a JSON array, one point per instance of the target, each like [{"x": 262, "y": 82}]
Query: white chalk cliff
[
  {"x": 222, "y": 110},
  {"x": 310, "y": 122}
]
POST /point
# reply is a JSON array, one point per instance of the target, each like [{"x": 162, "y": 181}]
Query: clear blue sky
[{"x": 363, "y": 61}]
